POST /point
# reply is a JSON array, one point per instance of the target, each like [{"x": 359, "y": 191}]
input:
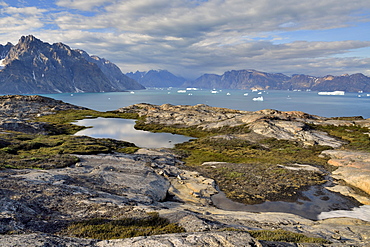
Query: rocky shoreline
[{"x": 36, "y": 205}]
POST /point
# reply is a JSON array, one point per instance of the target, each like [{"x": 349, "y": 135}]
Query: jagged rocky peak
[
  {"x": 29, "y": 42},
  {"x": 27, "y": 45},
  {"x": 34, "y": 66},
  {"x": 29, "y": 39}
]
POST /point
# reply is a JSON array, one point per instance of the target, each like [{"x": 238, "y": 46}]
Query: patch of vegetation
[
  {"x": 353, "y": 118},
  {"x": 268, "y": 151},
  {"x": 123, "y": 228},
  {"x": 285, "y": 236},
  {"x": 251, "y": 173},
  {"x": 192, "y": 131},
  {"x": 53, "y": 151},
  {"x": 356, "y": 136},
  {"x": 251, "y": 183}
]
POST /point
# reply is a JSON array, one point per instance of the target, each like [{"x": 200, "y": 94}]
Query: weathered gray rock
[
  {"x": 268, "y": 123},
  {"x": 43, "y": 240},
  {"x": 216, "y": 239},
  {"x": 100, "y": 186},
  {"x": 294, "y": 131},
  {"x": 17, "y": 110}
]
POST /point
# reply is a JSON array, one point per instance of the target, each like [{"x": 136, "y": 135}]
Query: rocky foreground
[{"x": 36, "y": 205}]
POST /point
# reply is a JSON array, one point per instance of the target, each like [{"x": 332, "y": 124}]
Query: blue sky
[{"x": 193, "y": 37}]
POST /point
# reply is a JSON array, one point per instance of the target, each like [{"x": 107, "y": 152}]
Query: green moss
[
  {"x": 192, "y": 131},
  {"x": 251, "y": 173},
  {"x": 21, "y": 150},
  {"x": 357, "y": 137},
  {"x": 123, "y": 228},
  {"x": 51, "y": 151},
  {"x": 269, "y": 151},
  {"x": 128, "y": 150},
  {"x": 285, "y": 236}
]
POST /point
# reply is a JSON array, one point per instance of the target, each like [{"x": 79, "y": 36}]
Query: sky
[{"x": 193, "y": 37}]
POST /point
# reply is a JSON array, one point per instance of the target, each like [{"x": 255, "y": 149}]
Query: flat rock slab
[
  {"x": 117, "y": 175},
  {"x": 354, "y": 167},
  {"x": 216, "y": 239},
  {"x": 98, "y": 186}
]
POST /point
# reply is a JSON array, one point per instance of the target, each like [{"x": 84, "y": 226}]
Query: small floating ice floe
[{"x": 258, "y": 99}]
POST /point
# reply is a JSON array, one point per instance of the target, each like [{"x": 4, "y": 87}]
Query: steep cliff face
[
  {"x": 114, "y": 74},
  {"x": 32, "y": 66},
  {"x": 156, "y": 78}
]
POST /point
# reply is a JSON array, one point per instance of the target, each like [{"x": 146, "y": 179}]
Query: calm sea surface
[{"x": 349, "y": 104}]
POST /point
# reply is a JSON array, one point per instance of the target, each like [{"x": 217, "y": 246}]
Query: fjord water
[{"x": 349, "y": 104}]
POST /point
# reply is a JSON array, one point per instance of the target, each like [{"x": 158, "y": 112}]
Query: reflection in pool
[
  {"x": 317, "y": 200},
  {"x": 123, "y": 129}
]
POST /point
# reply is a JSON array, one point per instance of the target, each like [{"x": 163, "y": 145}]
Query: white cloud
[
  {"x": 85, "y": 5},
  {"x": 184, "y": 19},
  {"x": 12, "y": 24},
  {"x": 13, "y": 19},
  {"x": 195, "y": 37},
  {"x": 25, "y": 11}
]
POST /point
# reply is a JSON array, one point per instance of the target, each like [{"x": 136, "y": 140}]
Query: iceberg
[
  {"x": 258, "y": 99},
  {"x": 331, "y": 93}
]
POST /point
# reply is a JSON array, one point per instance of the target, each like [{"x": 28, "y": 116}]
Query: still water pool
[{"x": 123, "y": 129}]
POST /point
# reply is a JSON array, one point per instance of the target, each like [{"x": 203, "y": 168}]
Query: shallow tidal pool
[{"x": 123, "y": 129}]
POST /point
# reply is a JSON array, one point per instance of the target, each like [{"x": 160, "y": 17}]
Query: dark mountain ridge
[
  {"x": 252, "y": 79},
  {"x": 33, "y": 66}
]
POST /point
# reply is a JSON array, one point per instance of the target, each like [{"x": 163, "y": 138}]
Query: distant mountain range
[
  {"x": 32, "y": 66},
  {"x": 252, "y": 79},
  {"x": 157, "y": 78}
]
